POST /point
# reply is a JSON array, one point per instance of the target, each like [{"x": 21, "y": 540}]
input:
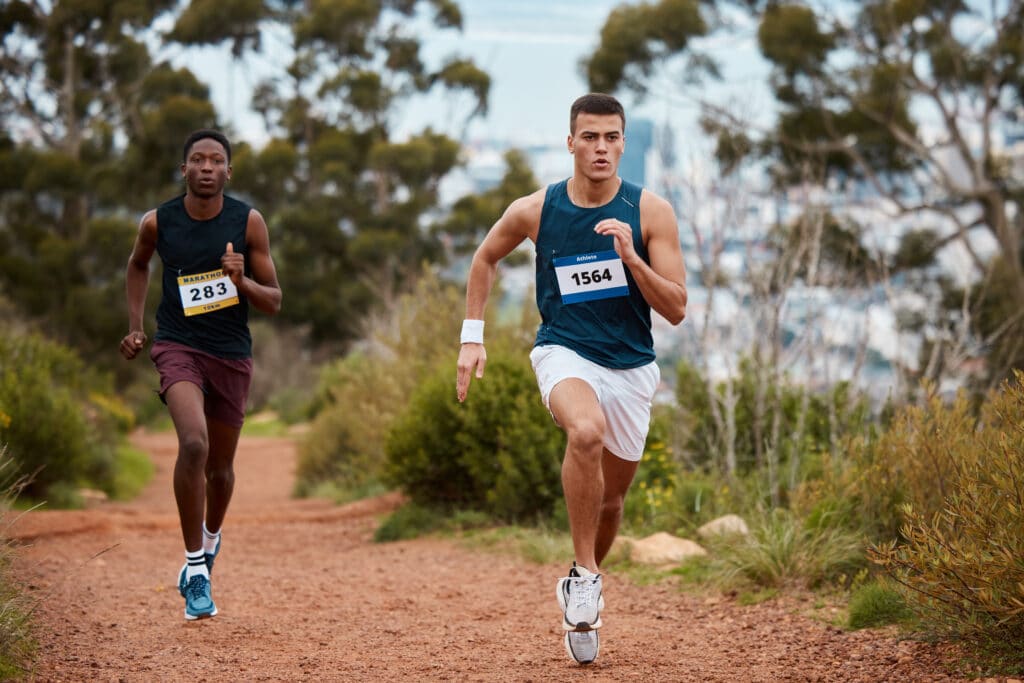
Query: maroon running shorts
[{"x": 224, "y": 382}]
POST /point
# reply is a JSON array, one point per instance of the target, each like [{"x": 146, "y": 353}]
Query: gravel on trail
[{"x": 304, "y": 593}]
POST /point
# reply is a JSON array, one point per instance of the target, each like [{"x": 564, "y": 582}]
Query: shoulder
[
  {"x": 148, "y": 222},
  {"x": 173, "y": 202},
  {"x": 257, "y": 234},
  {"x": 235, "y": 203},
  {"x": 527, "y": 209},
  {"x": 254, "y": 218},
  {"x": 520, "y": 220},
  {"x": 657, "y": 217},
  {"x": 654, "y": 202},
  {"x": 166, "y": 212},
  {"x": 236, "y": 207},
  {"x": 655, "y": 208}
]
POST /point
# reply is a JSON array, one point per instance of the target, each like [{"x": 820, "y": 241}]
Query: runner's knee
[
  {"x": 220, "y": 477},
  {"x": 193, "y": 448},
  {"x": 611, "y": 506},
  {"x": 586, "y": 435}
]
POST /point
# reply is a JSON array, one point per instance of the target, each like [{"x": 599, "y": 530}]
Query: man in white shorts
[{"x": 607, "y": 253}]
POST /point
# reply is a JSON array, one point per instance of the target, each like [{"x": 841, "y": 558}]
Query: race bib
[
  {"x": 586, "y": 277},
  {"x": 205, "y": 292}
]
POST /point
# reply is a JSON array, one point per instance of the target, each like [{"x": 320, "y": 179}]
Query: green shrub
[
  {"x": 134, "y": 470},
  {"x": 913, "y": 462},
  {"x": 360, "y": 395},
  {"x": 825, "y": 416},
  {"x": 782, "y": 550},
  {"x": 413, "y": 520},
  {"x": 537, "y": 543},
  {"x": 877, "y": 603},
  {"x": 409, "y": 521},
  {"x": 285, "y": 371},
  {"x": 345, "y": 442},
  {"x": 961, "y": 564},
  {"x": 60, "y": 421},
  {"x": 666, "y": 495},
  {"x": 500, "y": 452}
]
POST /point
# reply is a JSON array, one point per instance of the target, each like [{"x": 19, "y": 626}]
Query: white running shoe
[
  {"x": 579, "y": 596},
  {"x": 582, "y": 646}
]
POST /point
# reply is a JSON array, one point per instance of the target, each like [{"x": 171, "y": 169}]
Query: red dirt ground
[{"x": 304, "y": 594}]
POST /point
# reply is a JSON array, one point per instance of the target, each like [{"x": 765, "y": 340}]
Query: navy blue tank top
[
  {"x": 588, "y": 300},
  {"x": 197, "y": 308}
]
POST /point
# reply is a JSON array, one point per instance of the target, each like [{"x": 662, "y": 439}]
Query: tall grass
[
  {"x": 16, "y": 643},
  {"x": 783, "y": 550}
]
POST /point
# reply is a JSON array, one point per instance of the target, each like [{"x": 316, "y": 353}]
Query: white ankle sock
[
  {"x": 210, "y": 539},
  {"x": 582, "y": 571},
  {"x": 195, "y": 564}
]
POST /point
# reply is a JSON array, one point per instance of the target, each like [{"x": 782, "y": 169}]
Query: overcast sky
[{"x": 531, "y": 49}]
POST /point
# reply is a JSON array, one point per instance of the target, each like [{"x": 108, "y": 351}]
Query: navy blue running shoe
[{"x": 198, "y": 601}]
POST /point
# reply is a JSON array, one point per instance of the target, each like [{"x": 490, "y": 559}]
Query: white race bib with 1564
[
  {"x": 586, "y": 277},
  {"x": 205, "y": 292}
]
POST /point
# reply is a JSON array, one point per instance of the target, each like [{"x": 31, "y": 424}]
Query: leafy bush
[
  {"x": 409, "y": 521},
  {"x": 703, "y": 419},
  {"x": 666, "y": 494},
  {"x": 360, "y": 395},
  {"x": 285, "y": 371},
  {"x": 60, "y": 421},
  {"x": 914, "y": 462},
  {"x": 344, "y": 445},
  {"x": 649, "y": 502},
  {"x": 134, "y": 470},
  {"x": 499, "y": 453},
  {"x": 962, "y": 565}
]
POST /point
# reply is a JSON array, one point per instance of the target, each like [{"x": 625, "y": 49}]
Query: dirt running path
[{"x": 304, "y": 594}]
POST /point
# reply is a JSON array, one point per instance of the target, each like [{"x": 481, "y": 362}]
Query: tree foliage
[
  {"x": 94, "y": 114},
  {"x": 473, "y": 215},
  {"x": 905, "y": 98},
  {"x": 93, "y": 127},
  {"x": 346, "y": 202}
]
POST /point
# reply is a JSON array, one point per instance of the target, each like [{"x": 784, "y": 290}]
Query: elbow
[
  {"x": 678, "y": 312},
  {"x": 272, "y": 306}
]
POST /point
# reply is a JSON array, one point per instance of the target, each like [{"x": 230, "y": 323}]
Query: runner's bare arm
[
  {"x": 663, "y": 283},
  {"x": 136, "y": 283},
  {"x": 262, "y": 289},
  {"x": 520, "y": 221}
]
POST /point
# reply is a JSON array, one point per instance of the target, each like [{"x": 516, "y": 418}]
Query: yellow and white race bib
[
  {"x": 205, "y": 292},
  {"x": 586, "y": 277}
]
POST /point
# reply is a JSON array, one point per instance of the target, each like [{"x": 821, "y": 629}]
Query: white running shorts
[{"x": 625, "y": 395}]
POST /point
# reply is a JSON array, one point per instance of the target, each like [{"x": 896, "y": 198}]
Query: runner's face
[
  {"x": 597, "y": 145},
  {"x": 206, "y": 169}
]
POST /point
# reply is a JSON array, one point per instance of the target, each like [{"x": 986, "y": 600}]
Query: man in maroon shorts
[{"x": 216, "y": 257}]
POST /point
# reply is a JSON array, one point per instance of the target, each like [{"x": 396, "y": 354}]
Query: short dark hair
[
  {"x": 595, "y": 103},
  {"x": 201, "y": 135}
]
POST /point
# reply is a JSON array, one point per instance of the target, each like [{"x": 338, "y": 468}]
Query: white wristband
[{"x": 472, "y": 331}]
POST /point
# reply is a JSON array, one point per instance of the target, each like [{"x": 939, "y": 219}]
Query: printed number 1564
[{"x": 585, "y": 278}]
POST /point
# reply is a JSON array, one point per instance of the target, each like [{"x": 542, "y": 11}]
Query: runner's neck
[{"x": 588, "y": 195}]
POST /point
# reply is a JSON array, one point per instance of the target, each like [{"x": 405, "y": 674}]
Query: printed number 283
[{"x": 208, "y": 292}]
